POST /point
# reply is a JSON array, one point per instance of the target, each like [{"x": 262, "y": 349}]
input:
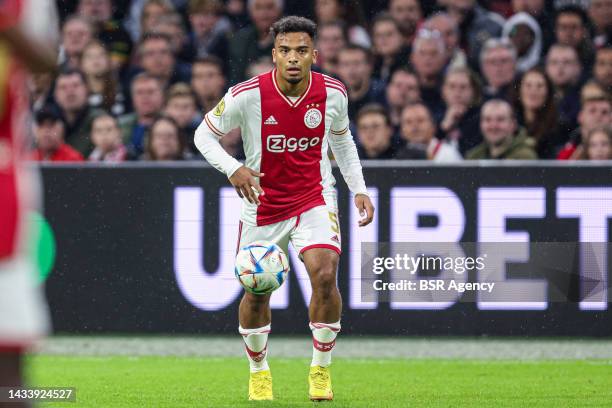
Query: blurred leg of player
[
  {"x": 11, "y": 374},
  {"x": 23, "y": 319},
  {"x": 254, "y": 313},
  {"x": 317, "y": 238},
  {"x": 23, "y": 313},
  {"x": 27, "y": 34}
]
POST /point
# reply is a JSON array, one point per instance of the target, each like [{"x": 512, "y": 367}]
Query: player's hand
[
  {"x": 245, "y": 184},
  {"x": 366, "y": 209}
]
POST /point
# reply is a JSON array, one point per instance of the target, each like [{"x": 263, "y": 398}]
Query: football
[{"x": 261, "y": 267}]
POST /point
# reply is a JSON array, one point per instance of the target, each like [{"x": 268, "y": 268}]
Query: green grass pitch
[{"x": 157, "y": 381}]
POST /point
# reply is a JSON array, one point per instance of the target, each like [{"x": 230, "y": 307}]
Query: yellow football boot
[
  {"x": 319, "y": 384},
  {"x": 260, "y": 386}
]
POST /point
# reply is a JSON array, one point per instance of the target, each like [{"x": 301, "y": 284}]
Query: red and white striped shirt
[{"x": 285, "y": 139}]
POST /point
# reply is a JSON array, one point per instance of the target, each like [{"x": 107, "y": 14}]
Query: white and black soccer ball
[{"x": 261, "y": 267}]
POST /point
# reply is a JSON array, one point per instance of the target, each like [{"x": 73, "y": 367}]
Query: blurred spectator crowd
[{"x": 442, "y": 81}]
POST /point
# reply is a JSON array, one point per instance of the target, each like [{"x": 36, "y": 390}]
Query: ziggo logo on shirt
[{"x": 281, "y": 143}]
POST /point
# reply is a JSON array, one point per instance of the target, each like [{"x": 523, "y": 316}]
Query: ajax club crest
[{"x": 313, "y": 117}]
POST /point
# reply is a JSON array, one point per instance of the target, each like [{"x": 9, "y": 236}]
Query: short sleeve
[
  {"x": 225, "y": 116},
  {"x": 340, "y": 123}
]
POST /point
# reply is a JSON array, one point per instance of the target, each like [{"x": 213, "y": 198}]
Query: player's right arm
[{"x": 227, "y": 115}]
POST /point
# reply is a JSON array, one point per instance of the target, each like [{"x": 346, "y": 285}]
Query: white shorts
[
  {"x": 24, "y": 316},
  {"x": 23, "y": 312},
  {"x": 314, "y": 228}
]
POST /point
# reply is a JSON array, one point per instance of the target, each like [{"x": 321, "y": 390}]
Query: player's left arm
[{"x": 344, "y": 149}]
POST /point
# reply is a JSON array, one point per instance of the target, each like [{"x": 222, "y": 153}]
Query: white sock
[
  {"x": 256, "y": 345},
  {"x": 323, "y": 342}
]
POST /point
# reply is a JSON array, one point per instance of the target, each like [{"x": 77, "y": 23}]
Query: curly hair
[{"x": 294, "y": 24}]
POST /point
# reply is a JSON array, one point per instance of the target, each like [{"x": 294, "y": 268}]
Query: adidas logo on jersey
[{"x": 271, "y": 121}]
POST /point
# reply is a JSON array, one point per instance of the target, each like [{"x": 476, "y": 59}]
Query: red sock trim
[
  {"x": 324, "y": 347},
  {"x": 257, "y": 356}
]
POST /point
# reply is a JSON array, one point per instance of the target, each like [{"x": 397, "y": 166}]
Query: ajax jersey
[
  {"x": 13, "y": 106},
  {"x": 286, "y": 139}
]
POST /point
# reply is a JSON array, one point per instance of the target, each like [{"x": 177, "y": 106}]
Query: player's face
[{"x": 293, "y": 54}]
